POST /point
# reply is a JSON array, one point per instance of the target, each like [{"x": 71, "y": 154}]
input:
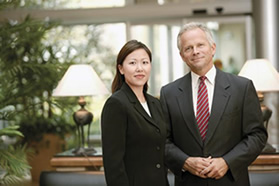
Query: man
[{"x": 215, "y": 128}]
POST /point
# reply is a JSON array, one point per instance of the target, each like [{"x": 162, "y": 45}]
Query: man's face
[{"x": 196, "y": 51}]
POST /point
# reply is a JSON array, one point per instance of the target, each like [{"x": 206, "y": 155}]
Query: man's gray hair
[{"x": 194, "y": 25}]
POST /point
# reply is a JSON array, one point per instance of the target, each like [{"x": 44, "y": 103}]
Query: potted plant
[
  {"x": 29, "y": 73},
  {"x": 45, "y": 137},
  {"x": 13, "y": 160},
  {"x": 30, "y": 70}
]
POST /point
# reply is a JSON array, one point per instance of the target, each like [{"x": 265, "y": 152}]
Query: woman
[{"x": 133, "y": 130}]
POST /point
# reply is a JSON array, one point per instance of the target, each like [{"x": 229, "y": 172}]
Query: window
[{"x": 167, "y": 64}]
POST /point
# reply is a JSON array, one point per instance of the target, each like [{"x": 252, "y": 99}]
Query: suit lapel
[
  {"x": 153, "y": 111},
  {"x": 141, "y": 110},
  {"x": 220, "y": 100},
  {"x": 133, "y": 99},
  {"x": 185, "y": 102}
]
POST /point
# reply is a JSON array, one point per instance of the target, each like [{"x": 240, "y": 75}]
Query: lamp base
[
  {"x": 268, "y": 149},
  {"x": 266, "y": 116},
  {"x": 83, "y": 117},
  {"x": 81, "y": 151}
]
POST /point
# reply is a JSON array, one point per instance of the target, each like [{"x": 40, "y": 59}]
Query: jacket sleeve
[
  {"x": 254, "y": 134},
  {"x": 113, "y": 128},
  {"x": 174, "y": 157}
]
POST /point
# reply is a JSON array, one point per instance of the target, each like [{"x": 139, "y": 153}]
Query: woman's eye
[
  {"x": 132, "y": 62},
  {"x": 145, "y": 62}
]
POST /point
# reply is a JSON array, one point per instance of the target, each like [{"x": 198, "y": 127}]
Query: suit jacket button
[
  {"x": 158, "y": 148},
  {"x": 158, "y": 166}
]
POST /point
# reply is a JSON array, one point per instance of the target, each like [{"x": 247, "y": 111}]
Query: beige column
[{"x": 266, "y": 22}]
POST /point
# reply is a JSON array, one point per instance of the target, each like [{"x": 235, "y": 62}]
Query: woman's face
[{"x": 136, "y": 68}]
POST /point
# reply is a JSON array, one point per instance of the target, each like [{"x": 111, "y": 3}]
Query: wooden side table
[
  {"x": 90, "y": 163},
  {"x": 264, "y": 163},
  {"x": 67, "y": 161}
]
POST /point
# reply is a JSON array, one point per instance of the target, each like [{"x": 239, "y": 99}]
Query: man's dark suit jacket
[
  {"x": 235, "y": 129},
  {"x": 133, "y": 142}
]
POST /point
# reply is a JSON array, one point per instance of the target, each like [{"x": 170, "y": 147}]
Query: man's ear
[
  {"x": 182, "y": 56},
  {"x": 213, "y": 47}
]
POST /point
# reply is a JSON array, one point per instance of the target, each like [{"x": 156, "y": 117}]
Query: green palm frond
[
  {"x": 13, "y": 160},
  {"x": 9, "y": 180},
  {"x": 11, "y": 131}
]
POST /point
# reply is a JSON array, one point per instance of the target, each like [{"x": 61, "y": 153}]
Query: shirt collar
[{"x": 210, "y": 75}]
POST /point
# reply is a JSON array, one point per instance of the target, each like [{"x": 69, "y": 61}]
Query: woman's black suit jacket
[{"x": 133, "y": 142}]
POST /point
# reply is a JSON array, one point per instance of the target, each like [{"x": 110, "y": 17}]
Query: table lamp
[
  {"x": 265, "y": 79},
  {"x": 81, "y": 80}
]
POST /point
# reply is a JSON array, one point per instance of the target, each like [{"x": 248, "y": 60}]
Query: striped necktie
[{"x": 202, "y": 108}]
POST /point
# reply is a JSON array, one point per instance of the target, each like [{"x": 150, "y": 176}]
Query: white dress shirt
[
  {"x": 145, "y": 106},
  {"x": 210, "y": 82}
]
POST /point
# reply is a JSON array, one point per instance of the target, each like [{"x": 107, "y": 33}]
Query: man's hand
[
  {"x": 195, "y": 165},
  {"x": 217, "y": 169}
]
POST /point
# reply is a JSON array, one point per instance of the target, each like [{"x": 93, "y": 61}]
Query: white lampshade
[
  {"x": 262, "y": 73},
  {"x": 80, "y": 80}
]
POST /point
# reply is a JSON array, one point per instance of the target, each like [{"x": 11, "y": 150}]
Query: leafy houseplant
[
  {"x": 34, "y": 55},
  {"x": 30, "y": 72},
  {"x": 35, "y": 132},
  {"x": 13, "y": 159},
  {"x": 32, "y": 60}
]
